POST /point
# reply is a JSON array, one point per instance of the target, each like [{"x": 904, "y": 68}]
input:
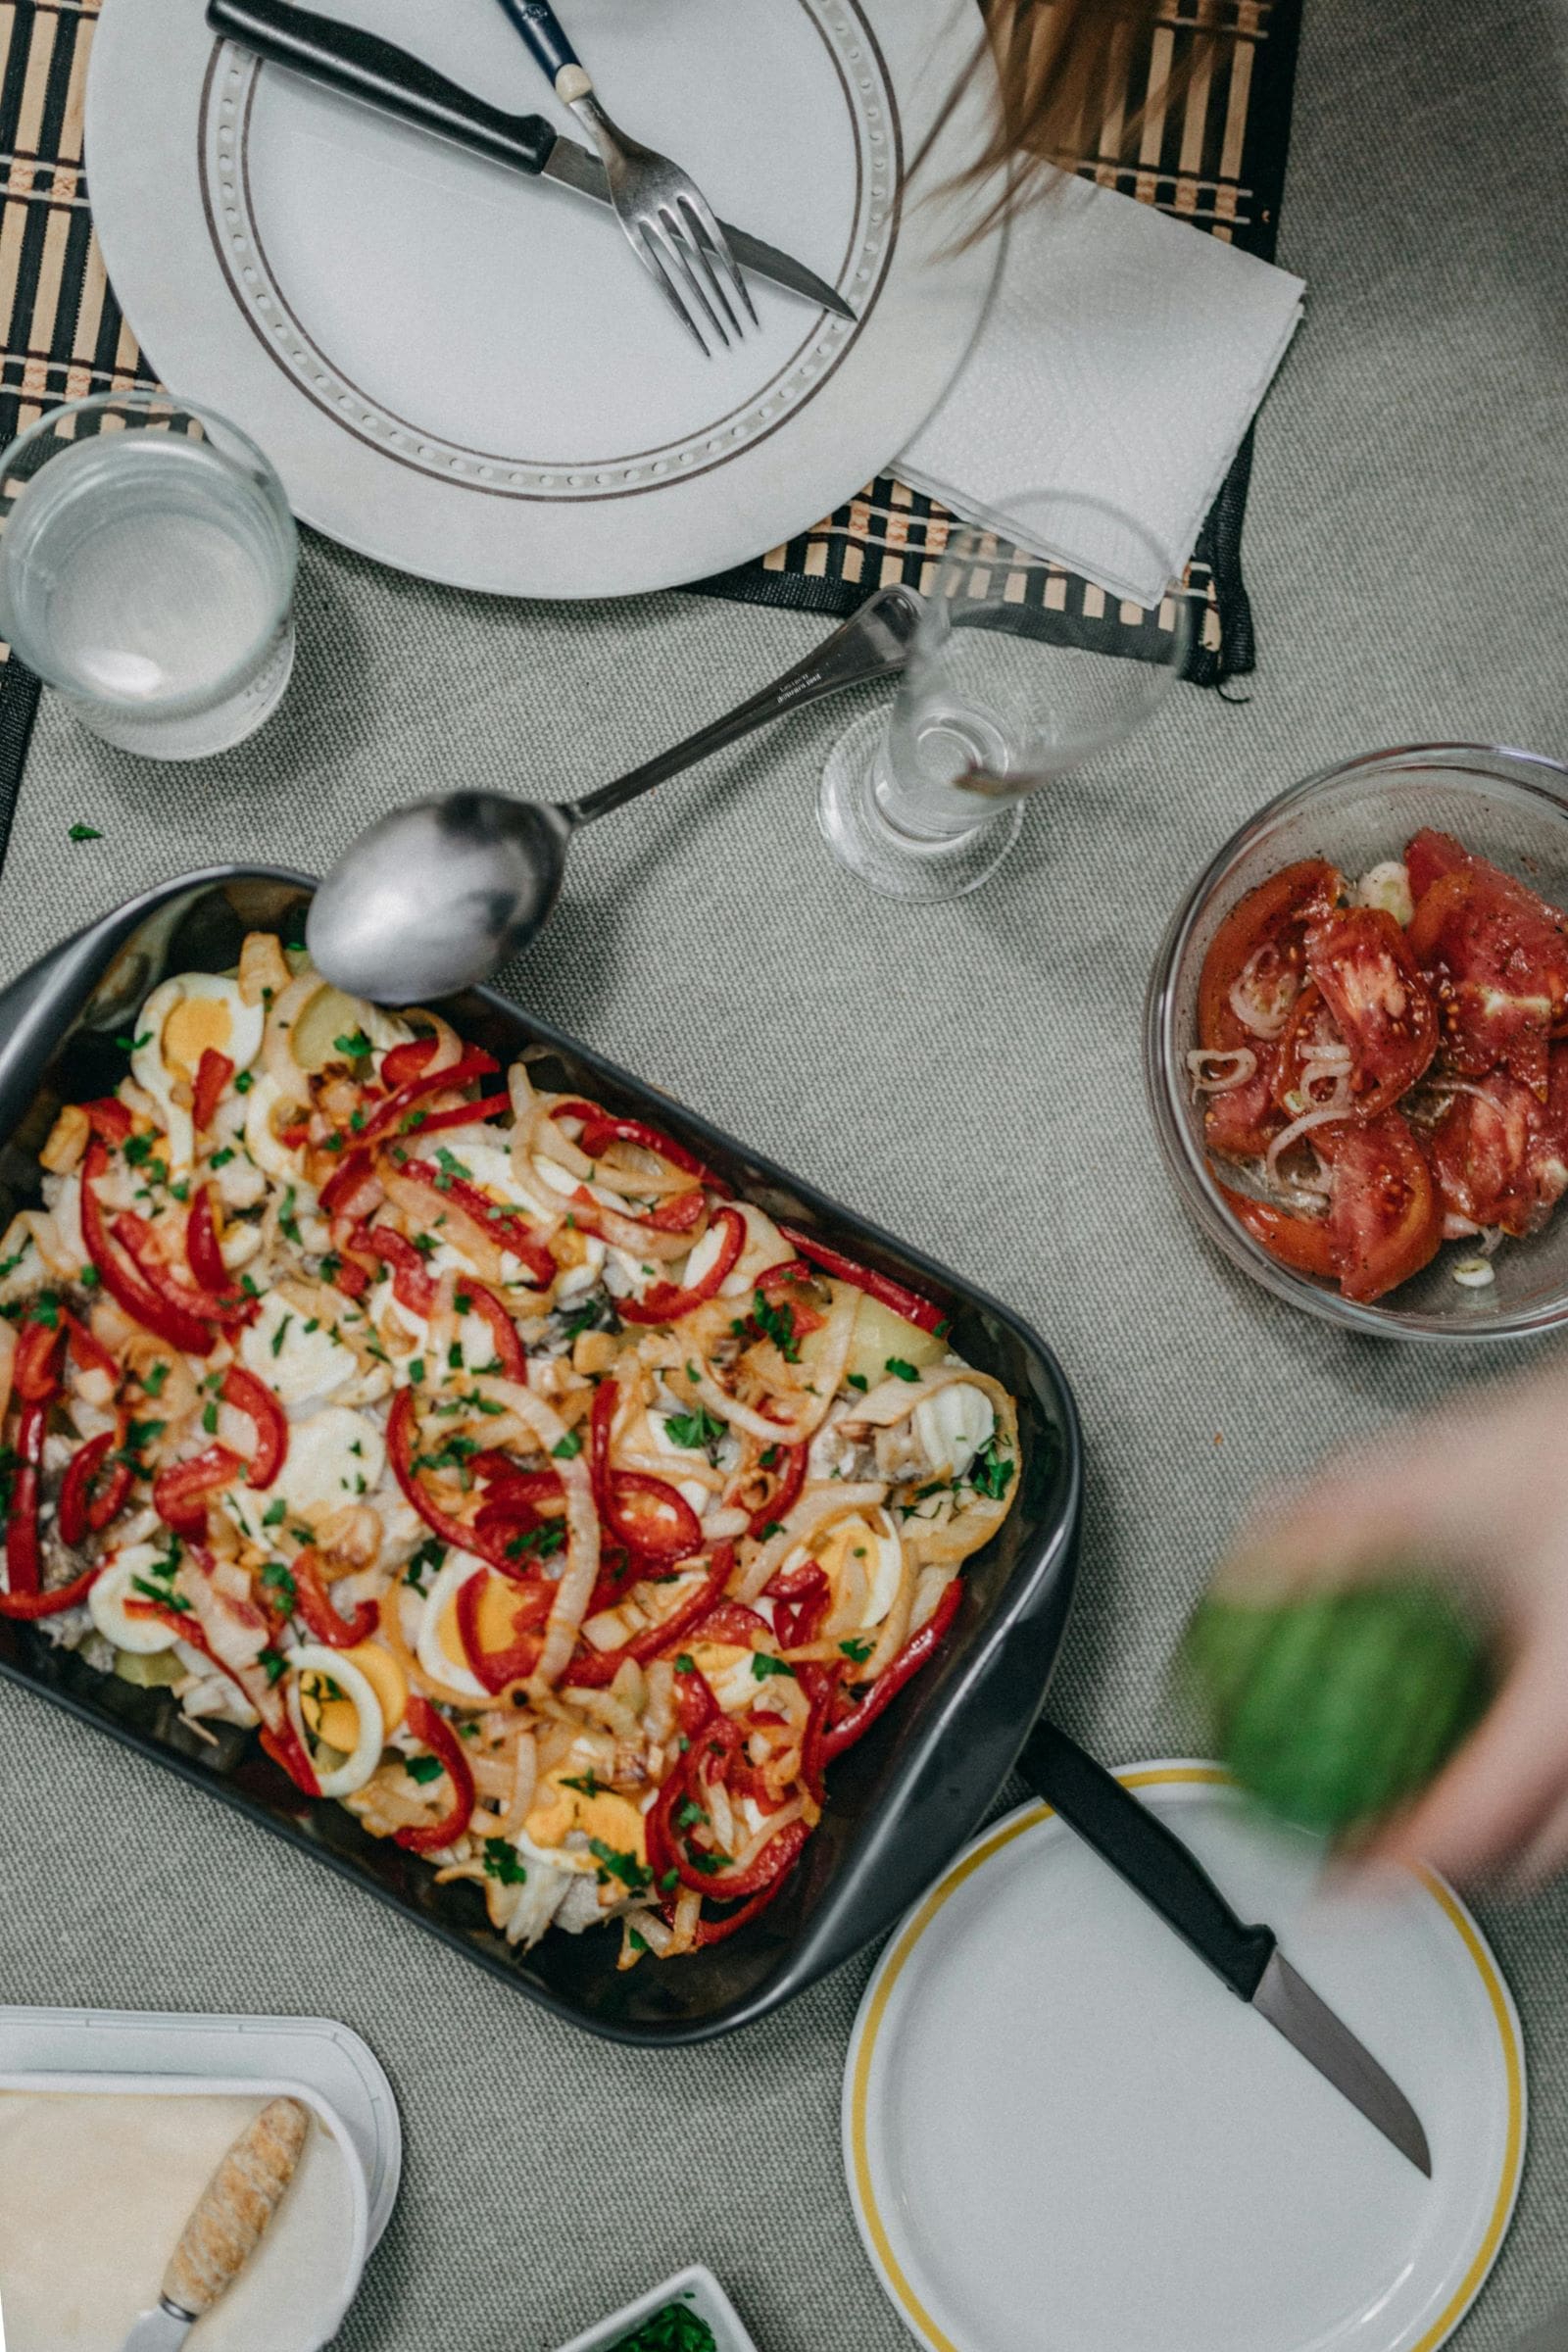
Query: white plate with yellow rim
[
  {"x": 464, "y": 373},
  {"x": 1064, "y": 2135}
]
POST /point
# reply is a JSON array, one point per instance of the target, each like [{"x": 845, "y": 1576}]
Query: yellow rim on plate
[{"x": 1157, "y": 1776}]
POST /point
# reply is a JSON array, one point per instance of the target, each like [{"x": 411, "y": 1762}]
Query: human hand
[{"x": 1475, "y": 1495}]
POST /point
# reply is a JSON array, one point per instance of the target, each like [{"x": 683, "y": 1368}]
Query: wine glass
[{"x": 1020, "y": 671}]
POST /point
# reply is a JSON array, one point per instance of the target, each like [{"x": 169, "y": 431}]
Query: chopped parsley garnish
[
  {"x": 690, "y": 1814},
  {"x": 857, "y": 1380},
  {"x": 153, "y": 1380},
  {"x": 776, "y": 1323},
  {"x": 899, "y": 1369},
  {"x": 763, "y": 1667},
  {"x": 138, "y": 1148},
  {"x": 568, "y": 1448},
  {"x": 221, "y": 1160},
  {"x": 501, "y": 1861},
  {"x": 771, "y": 1527},
  {"x": 85, "y": 833},
  {"x": 9, "y": 1265},
  {"x": 451, "y": 1165},
  {"x": 425, "y": 1244},
  {"x": 417, "y": 1370},
  {"x": 675, "y": 2329},
  {"x": 275, "y": 1513},
  {"x": 991, "y": 1473},
  {"x": 685, "y": 1663},
  {"x": 244, "y": 1082},
  {"x": 164, "y": 1600},
  {"x": 278, "y": 1580},
  {"x": 287, "y": 1222},
  {"x": 613, "y": 1863},
  {"x": 356, "y": 1046},
  {"x": 711, "y": 1864},
  {"x": 424, "y": 1769},
  {"x": 280, "y": 1334},
  {"x": 541, "y": 1543},
  {"x": 857, "y": 1649},
  {"x": 585, "y": 1785},
  {"x": 695, "y": 1431},
  {"x": 276, "y": 1666},
  {"x": 89, "y": 1278},
  {"x": 209, "y": 1417}
]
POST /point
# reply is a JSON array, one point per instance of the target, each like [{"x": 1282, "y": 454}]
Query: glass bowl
[{"x": 1509, "y": 806}]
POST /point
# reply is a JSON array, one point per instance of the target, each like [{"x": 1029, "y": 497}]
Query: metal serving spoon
[{"x": 432, "y": 898}]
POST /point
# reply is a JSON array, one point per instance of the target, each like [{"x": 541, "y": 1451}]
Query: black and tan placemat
[{"x": 1214, "y": 155}]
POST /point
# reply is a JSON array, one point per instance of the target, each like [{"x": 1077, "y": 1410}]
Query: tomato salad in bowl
[
  {"x": 1365, "y": 1048},
  {"x": 560, "y": 1514}
]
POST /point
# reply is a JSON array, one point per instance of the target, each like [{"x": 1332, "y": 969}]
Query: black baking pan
[{"x": 902, "y": 1802}]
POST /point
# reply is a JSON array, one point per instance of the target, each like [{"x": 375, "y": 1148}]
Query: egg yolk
[
  {"x": 498, "y": 1607},
  {"x": 196, "y": 1024},
  {"x": 559, "y": 1810},
  {"x": 336, "y": 1721}
]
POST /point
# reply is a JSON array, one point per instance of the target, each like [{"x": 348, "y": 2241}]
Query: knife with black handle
[
  {"x": 1157, "y": 1865},
  {"x": 362, "y": 65}
]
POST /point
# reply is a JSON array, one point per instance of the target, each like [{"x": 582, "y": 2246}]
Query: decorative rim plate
[
  {"x": 464, "y": 373},
  {"x": 1062, "y": 2133}
]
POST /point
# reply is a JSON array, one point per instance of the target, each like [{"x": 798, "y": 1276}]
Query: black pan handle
[
  {"x": 361, "y": 65},
  {"x": 1141, "y": 1849}
]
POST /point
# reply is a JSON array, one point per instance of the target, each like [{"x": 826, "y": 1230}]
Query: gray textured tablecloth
[{"x": 1409, "y": 553}]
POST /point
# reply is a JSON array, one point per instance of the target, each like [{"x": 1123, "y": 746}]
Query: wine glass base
[{"x": 898, "y": 863}]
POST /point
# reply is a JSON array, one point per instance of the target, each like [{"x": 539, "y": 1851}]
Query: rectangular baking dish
[{"x": 902, "y": 1802}]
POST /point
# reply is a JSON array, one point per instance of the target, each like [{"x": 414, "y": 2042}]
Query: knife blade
[
  {"x": 375, "y": 72},
  {"x": 1168, "y": 1876}
]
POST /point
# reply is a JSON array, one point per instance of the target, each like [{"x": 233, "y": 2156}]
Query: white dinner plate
[
  {"x": 464, "y": 373},
  {"x": 1064, "y": 2135}
]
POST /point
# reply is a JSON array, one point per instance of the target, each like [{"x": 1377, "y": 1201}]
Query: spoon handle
[{"x": 873, "y": 644}]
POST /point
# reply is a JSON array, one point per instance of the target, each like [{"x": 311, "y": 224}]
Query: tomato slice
[
  {"x": 1372, "y": 986},
  {"x": 1385, "y": 1210},
  {"x": 1302, "y": 1243},
  {"x": 1481, "y": 1152},
  {"x": 1309, "y": 1034},
  {"x": 1496, "y": 957},
  {"x": 1257, "y": 958}
]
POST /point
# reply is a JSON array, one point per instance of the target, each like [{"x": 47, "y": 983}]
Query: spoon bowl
[{"x": 431, "y": 898}]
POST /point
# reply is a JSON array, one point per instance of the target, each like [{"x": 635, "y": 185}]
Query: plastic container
[{"x": 697, "y": 2287}]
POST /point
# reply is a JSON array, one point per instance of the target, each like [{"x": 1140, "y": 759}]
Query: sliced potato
[
  {"x": 147, "y": 1673},
  {"x": 330, "y": 1015},
  {"x": 881, "y": 1337}
]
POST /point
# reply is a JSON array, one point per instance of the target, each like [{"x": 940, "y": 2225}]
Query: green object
[
  {"x": 675, "y": 2329},
  {"x": 1336, "y": 1708}
]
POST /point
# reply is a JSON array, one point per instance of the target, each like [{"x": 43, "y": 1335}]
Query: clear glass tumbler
[
  {"x": 1008, "y": 685},
  {"x": 147, "y": 570}
]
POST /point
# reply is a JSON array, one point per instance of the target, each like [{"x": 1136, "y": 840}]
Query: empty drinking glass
[
  {"x": 147, "y": 570},
  {"x": 1009, "y": 684}
]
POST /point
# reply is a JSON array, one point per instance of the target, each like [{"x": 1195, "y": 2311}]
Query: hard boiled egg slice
[
  {"x": 180, "y": 1021},
  {"x": 329, "y": 1680},
  {"x": 862, "y": 1559},
  {"x": 336, "y": 1721},
  {"x": 763, "y": 1246},
  {"x": 952, "y": 1426},
  {"x": 728, "y": 1671},
  {"x": 581, "y": 1814},
  {"x": 438, "y": 1643},
  {"x": 143, "y": 1636},
  {"x": 297, "y": 1364},
  {"x": 334, "y": 1456}
]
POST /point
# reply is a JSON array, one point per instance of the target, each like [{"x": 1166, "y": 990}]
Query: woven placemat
[{"x": 1214, "y": 155}]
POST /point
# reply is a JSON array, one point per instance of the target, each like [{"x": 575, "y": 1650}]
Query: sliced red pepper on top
[
  {"x": 212, "y": 1074},
  {"x": 432, "y": 1729},
  {"x": 667, "y": 1302}
]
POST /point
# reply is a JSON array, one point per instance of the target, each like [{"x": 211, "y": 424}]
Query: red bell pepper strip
[
  {"x": 351, "y": 1280},
  {"x": 785, "y": 1286},
  {"x": 179, "y": 1493},
  {"x": 735, "y": 1624},
  {"x": 600, "y": 1127},
  {"x": 386, "y": 1121},
  {"x": 31, "y": 1606},
  {"x": 908, "y": 1303},
  {"x": 338, "y": 1194},
  {"x": 109, "y": 1118},
  {"x": 802, "y": 1597},
  {"x": 889, "y": 1682},
  {"x": 23, "y": 1559},
  {"x": 596, "y": 1669},
  {"x": 202, "y": 1251},
  {"x": 256, "y": 1401},
  {"x": 679, "y": 1213},
  {"x": 411, "y": 1286},
  {"x": 87, "y": 1352},
  {"x": 314, "y": 1605},
  {"x": 781, "y": 1501},
  {"x": 667, "y": 1302},
  {"x": 135, "y": 1236},
  {"x": 36, "y": 1375},
  {"x": 126, "y": 1285},
  {"x": 644, "y": 1513},
  {"x": 504, "y": 1226},
  {"x": 695, "y": 1703},
  {"x": 433, "y": 1731},
  {"x": 401, "y": 1439},
  {"x": 285, "y": 1748},
  {"x": 820, "y": 1682},
  {"x": 500, "y": 1475},
  {"x": 497, "y": 1668},
  {"x": 715, "y": 1931},
  {"x": 779, "y": 1854},
  {"x": 463, "y": 1114},
  {"x": 81, "y": 1511},
  {"x": 212, "y": 1074},
  {"x": 510, "y": 1350},
  {"x": 402, "y": 1062}
]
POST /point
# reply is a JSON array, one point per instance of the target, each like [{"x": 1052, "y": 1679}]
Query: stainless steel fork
[{"x": 668, "y": 221}]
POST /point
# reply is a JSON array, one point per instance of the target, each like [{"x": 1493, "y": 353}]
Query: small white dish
[
  {"x": 465, "y": 374},
  {"x": 1061, "y": 2131},
  {"x": 697, "y": 2287}
]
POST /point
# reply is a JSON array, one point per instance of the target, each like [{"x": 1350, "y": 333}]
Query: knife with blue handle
[
  {"x": 1171, "y": 1880},
  {"x": 377, "y": 74}
]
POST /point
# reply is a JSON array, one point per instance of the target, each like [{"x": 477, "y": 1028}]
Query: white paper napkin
[{"x": 1123, "y": 356}]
